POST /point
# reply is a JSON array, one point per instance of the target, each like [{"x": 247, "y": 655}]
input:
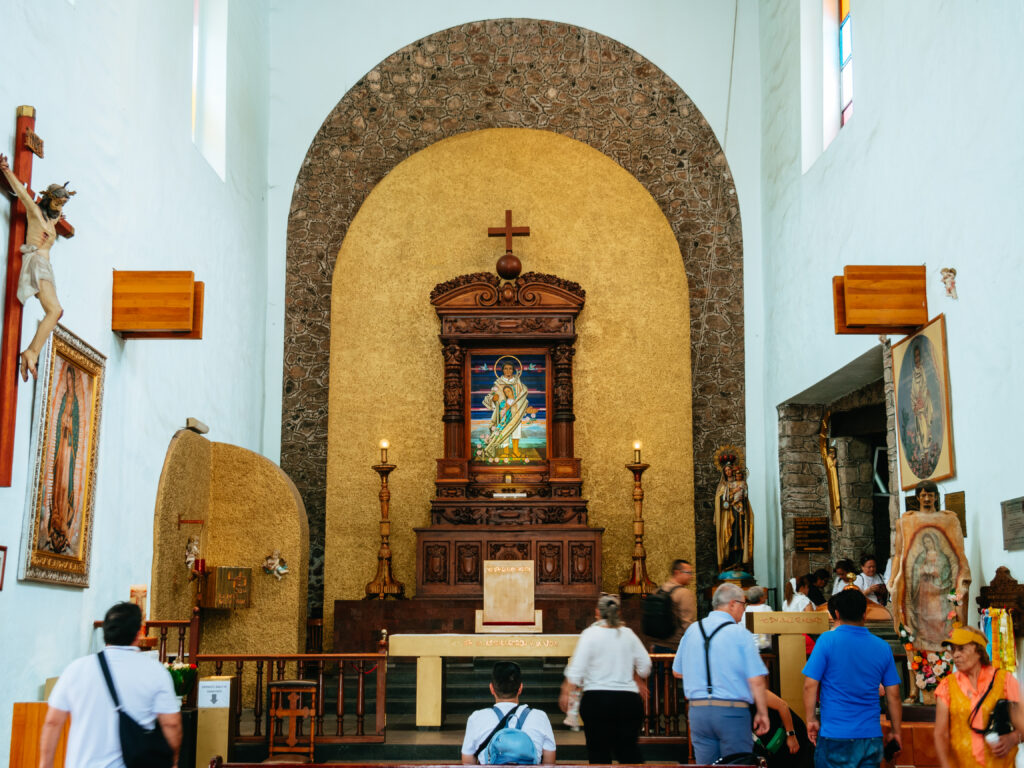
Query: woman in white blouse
[
  {"x": 795, "y": 595},
  {"x": 869, "y": 582},
  {"x": 610, "y": 665}
]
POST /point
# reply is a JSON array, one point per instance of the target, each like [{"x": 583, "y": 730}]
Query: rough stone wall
[
  {"x": 517, "y": 73},
  {"x": 856, "y": 536},
  {"x": 804, "y": 491}
]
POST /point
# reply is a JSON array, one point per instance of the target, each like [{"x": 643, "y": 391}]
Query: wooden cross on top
[
  {"x": 508, "y": 231},
  {"x": 26, "y": 143}
]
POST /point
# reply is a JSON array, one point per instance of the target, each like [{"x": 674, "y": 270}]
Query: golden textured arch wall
[
  {"x": 425, "y": 222},
  {"x": 250, "y": 507}
]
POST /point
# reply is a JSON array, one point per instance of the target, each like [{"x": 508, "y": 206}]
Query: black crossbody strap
[
  {"x": 109, "y": 679},
  {"x": 501, "y": 724},
  {"x": 707, "y": 646},
  {"x": 974, "y": 712}
]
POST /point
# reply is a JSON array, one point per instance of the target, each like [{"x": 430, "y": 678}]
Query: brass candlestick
[
  {"x": 638, "y": 583},
  {"x": 384, "y": 583}
]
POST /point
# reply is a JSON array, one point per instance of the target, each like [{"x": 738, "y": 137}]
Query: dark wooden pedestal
[{"x": 567, "y": 561}]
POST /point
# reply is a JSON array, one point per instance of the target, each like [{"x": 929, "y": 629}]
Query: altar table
[{"x": 429, "y": 651}]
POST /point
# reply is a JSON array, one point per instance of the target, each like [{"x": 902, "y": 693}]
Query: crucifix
[
  {"x": 508, "y": 265},
  {"x": 26, "y": 144}
]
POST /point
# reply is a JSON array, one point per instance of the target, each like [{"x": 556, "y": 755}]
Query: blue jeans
[
  {"x": 719, "y": 731},
  {"x": 848, "y": 753}
]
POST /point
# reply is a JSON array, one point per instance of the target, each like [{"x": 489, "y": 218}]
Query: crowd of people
[{"x": 731, "y": 711}]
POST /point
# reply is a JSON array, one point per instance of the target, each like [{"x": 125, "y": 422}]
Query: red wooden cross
[
  {"x": 508, "y": 231},
  {"x": 26, "y": 143}
]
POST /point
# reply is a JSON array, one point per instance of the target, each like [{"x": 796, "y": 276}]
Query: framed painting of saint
[
  {"x": 508, "y": 414},
  {"x": 57, "y": 533},
  {"x": 923, "y": 423}
]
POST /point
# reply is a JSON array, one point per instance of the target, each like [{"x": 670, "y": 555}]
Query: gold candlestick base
[
  {"x": 384, "y": 584},
  {"x": 638, "y": 583}
]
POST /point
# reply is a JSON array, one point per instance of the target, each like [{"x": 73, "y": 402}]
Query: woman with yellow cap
[{"x": 964, "y": 702}]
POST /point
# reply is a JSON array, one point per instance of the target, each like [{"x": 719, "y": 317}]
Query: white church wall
[
  {"x": 320, "y": 49},
  {"x": 111, "y": 84},
  {"x": 926, "y": 172}
]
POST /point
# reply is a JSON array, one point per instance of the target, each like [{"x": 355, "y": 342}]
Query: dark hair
[
  {"x": 925, "y": 485},
  {"x": 788, "y": 591},
  {"x": 506, "y": 677},
  {"x": 122, "y": 624},
  {"x": 846, "y": 564},
  {"x": 848, "y": 605},
  {"x": 867, "y": 556},
  {"x": 821, "y": 573},
  {"x": 677, "y": 565}
]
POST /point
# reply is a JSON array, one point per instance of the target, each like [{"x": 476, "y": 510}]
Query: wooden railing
[
  {"x": 321, "y": 667},
  {"x": 661, "y": 710}
]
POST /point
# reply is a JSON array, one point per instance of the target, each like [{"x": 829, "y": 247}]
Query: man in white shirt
[
  {"x": 143, "y": 686},
  {"x": 506, "y": 687}
]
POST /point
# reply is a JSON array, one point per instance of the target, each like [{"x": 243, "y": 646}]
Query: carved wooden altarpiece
[{"x": 504, "y": 495}]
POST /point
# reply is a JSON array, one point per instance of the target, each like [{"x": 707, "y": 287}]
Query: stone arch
[{"x": 516, "y": 73}]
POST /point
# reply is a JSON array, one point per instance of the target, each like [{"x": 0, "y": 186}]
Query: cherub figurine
[
  {"x": 274, "y": 565},
  {"x": 36, "y": 278},
  {"x": 949, "y": 280},
  {"x": 192, "y": 552}
]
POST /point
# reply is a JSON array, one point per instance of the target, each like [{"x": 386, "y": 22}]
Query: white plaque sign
[{"x": 214, "y": 694}]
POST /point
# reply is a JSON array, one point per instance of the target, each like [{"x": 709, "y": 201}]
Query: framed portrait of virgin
[
  {"x": 57, "y": 532},
  {"x": 923, "y": 424},
  {"x": 508, "y": 408}
]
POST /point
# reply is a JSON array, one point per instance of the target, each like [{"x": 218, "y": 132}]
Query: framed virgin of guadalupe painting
[
  {"x": 57, "y": 533},
  {"x": 923, "y": 424}
]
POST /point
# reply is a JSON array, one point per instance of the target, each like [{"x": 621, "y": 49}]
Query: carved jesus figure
[{"x": 36, "y": 278}]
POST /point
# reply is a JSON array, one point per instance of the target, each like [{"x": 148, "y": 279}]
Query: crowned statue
[{"x": 734, "y": 520}]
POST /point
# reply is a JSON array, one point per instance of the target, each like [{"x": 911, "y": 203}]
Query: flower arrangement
[
  {"x": 183, "y": 675},
  {"x": 954, "y": 613},
  {"x": 929, "y": 667}
]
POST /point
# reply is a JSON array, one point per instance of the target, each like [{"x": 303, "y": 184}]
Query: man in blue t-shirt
[{"x": 848, "y": 664}]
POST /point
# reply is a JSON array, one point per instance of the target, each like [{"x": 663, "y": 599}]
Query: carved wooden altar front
[{"x": 508, "y": 485}]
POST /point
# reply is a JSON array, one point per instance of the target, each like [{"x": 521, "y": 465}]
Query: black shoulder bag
[
  {"x": 140, "y": 748},
  {"x": 999, "y": 720}
]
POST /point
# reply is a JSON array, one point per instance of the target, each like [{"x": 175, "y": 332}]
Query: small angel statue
[
  {"x": 274, "y": 565},
  {"x": 949, "y": 280}
]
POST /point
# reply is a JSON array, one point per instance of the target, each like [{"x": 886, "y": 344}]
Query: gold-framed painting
[
  {"x": 923, "y": 423},
  {"x": 57, "y": 533}
]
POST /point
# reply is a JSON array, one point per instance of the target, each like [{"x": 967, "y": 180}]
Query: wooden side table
[{"x": 294, "y": 701}]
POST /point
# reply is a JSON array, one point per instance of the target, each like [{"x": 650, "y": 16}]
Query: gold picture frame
[
  {"x": 924, "y": 427},
  {"x": 57, "y": 533}
]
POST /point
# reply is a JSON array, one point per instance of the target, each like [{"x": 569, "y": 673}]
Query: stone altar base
[{"x": 357, "y": 623}]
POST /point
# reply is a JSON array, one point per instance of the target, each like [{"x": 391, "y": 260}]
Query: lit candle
[
  {"x": 636, "y": 451},
  {"x": 384, "y": 445}
]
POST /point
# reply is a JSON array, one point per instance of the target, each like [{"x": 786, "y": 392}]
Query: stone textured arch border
[{"x": 516, "y": 73}]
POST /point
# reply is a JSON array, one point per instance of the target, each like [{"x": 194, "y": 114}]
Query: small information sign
[
  {"x": 1013, "y": 524},
  {"x": 810, "y": 534},
  {"x": 215, "y": 694}
]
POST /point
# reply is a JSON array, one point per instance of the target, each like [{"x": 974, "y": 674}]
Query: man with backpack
[
  {"x": 509, "y": 733},
  {"x": 670, "y": 610},
  {"x": 723, "y": 675}
]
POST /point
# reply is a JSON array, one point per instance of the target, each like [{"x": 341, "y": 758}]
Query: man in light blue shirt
[{"x": 723, "y": 675}]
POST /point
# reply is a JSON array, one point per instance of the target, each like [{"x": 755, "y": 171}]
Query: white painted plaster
[
  {"x": 111, "y": 84},
  {"x": 926, "y": 172}
]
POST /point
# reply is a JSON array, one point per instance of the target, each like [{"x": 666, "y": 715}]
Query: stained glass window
[{"x": 845, "y": 60}]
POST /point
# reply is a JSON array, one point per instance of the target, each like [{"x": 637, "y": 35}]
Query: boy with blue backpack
[{"x": 509, "y": 733}]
